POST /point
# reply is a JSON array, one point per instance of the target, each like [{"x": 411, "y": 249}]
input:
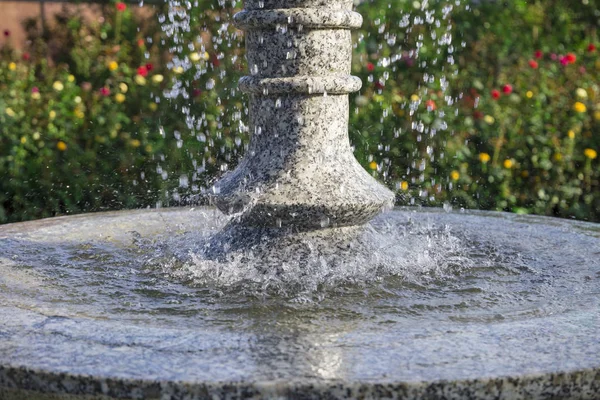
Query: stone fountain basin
[{"x": 82, "y": 317}]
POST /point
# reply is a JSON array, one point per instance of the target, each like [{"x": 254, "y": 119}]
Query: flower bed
[{"x": 502, "y": 116}]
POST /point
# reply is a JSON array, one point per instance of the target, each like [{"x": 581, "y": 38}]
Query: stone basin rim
[{"x": 568, "y": 384}]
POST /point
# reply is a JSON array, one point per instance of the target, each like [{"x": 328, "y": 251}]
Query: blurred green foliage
[{"x": 116, "y": 113}]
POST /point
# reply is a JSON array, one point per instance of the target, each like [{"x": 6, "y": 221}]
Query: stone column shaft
[{"x": 299, "y": 169}]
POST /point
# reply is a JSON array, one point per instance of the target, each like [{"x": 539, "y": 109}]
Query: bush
[{"x": 457, "y": 107}]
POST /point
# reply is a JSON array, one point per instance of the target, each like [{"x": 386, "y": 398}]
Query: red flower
[
  {"x": 533, "y": 64},
  {"x": 121, "y": 6},
  {"x": 141, "y": 43},
  {"x": 538, "y": 54},
  {"x": 26, "y": 57},
  {"x": 495, "y": 94},
  {"x": 430, "y": 105},
  {"x": 370, "y": 67},
  {"x": 477, "y": 115},
  {"x": 591, "y": 47},
  {"x": 104, "y": 91},
  {"x": 35, "y": 89},
  {"x": 215, "y": 60},
  {"x": 6, "y": 33},
  {"x": 507, "y": 89},
  {"x": 143, "y": 71},
  {"x": 379, "y": 85},
  {"x": 571, "y": 58},
  {"x": 149, "y": 67}
]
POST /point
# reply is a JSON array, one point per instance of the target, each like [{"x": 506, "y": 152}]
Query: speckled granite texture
[
  {"x": 80, "y": 315},
  {"x": 36, "y": 385},
  {"x": 299, "y": 169}
]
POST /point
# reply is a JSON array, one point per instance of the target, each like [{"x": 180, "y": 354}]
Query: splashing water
[
  {"x": 310, "y": 266},
  {"x": 209, "y": 58}
]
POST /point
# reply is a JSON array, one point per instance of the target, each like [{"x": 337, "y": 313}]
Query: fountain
[{"x": 297, "y": 295}]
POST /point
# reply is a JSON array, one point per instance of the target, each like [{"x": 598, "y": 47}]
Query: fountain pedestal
[{"x": 299, "y": 170}]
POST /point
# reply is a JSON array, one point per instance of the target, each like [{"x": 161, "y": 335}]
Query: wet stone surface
[{"x": 429, "y": 304}]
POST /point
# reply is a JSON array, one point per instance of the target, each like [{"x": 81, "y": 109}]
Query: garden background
[{"x": 496, "y": 107}]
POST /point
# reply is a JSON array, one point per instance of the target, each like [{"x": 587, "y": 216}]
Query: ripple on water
[{"x": 404, "y": 266}]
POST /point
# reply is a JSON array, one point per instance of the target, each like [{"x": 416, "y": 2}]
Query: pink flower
[
  {"x": 26, "y": 57},
  {"x": 533, "y": 64},
  {"x": 564, "y": 61},
  {"x": 121, "y": 6},
  {"x": 495, "y": 94},
  {"x": 507, "y": 89},
  {"x": 554, "y": 57},
  {"x": 582, "y": 69},
  {"x": 538, "y": 54},
  {"x": 35, "y": 89},
  {"x": 370, "y": 67},
  {"x": 104, "y": 91},
  {"x": 196, "y": 92},
  {"x": 143, "y": 71}
]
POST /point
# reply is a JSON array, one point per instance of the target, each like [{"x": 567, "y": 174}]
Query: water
[
  {"x": 403, "y": 134},
  {"x": 424, "y": 266},
  {"x": 432, "y": 295}
]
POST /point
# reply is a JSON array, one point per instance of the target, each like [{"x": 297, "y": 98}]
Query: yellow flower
[
  {"x": 529, "y": 94},
  {"x": 597, "y": 115},
  {"x": 414, "y": 98},
  {"x": 489, "y": 119},
  {"x": 158, "y": 78},
  {"x": 23, "y": 140},
  {"x": 79, "y": 113},
  {"x": 558, "y": 157},
  {"x": 581, "y": 93},
  {"x": 77, "y": 100},
  {"x": 178, "y": 69},
  {"x": 71, "y": 78},
  {"x": 373, "y": 165},
  {"x": 123, "y": 87},
  {"x": 590, "y": 153},
  {"x": 113, "y": 65},
  {"x": 195, "y": 57},
  {"x": 571, "y": 134},
  {"x": 579, "y": 107},
  {"x": 10, "y": 112},
  {"x": 484, "y": 157},
  {"x": 135, "y": 143},
  {"x": 404, "y": 185},
  {"x": 508, "y": 164},
  {"x": 140, "y": 80},
  {"x": 58, "y": 86},
  {"x": 455, "y": 175},
  {"x": 119, "y": 97},
  {"x": 52, "y": 114},
  {"x": 62, "y": 146},
  {"x": 206, "y": 56},
  {"x": 148, "y": 148},
  {"x": 153, "y": 106},
  {"x": 12, "y": 66},
  {"x": 36, "y": 95},
  {"x": 36, "y": 136}
]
